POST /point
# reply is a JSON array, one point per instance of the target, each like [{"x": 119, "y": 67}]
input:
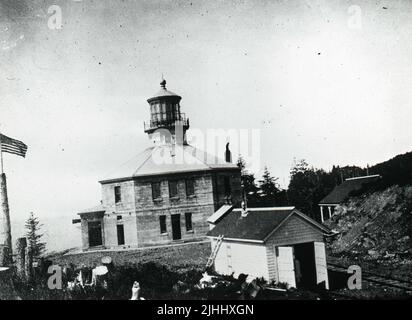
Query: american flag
[{"x": 13, "y": 146}]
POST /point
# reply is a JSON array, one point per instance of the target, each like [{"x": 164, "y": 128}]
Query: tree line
[
  {"x": 306, "y": 188},
  {"x": 309, "y": 185}
]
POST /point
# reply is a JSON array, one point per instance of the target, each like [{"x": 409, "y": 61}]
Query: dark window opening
[
  {"x": 227, "y": 188},
  {"x": 173, "y": 189},
  {"x": 119, "y": 217},
  {"x": 162, "y": 221},
  {"x": 117, "y": 194},
  {"x": 156, "y": 193},
  {"x": 120, "y": 234},
  {"x": 190, "y": 187},
  {"x": 95, "y": 233},
  {"x": 188, "y": 219}
]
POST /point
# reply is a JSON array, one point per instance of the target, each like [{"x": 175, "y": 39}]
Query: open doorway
[
  {"x": 305, "y": 266},
  {"x": 176, "y": 231},
  {"x": 120, "y": 234},
  {"x": 95, "y": 233}
]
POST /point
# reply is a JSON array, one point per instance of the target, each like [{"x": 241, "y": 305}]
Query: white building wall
[
  {"x": 110, "y": 231},
  {"x": 130, "y": 229},
  {"x": 239, "y": 257}
]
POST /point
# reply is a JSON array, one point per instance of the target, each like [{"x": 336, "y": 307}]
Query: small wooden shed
[{"x": 279, "y": 243}]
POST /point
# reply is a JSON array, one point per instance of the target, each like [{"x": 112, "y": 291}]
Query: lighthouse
[{"x": 150, "y": 202}]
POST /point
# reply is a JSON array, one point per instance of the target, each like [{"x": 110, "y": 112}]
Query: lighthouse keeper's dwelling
[
  {"x": 166, "y": 193},
  {"x": 278, "y": 244},
  {"x": 341, "y": 192}
]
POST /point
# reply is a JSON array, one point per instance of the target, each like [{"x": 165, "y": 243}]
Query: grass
[{"x": 181, "y": 258}]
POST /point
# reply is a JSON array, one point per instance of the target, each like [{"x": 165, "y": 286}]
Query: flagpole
[
  {"x": 18, "y": 148},
  {"x": 5, "y": 228},
  {"x": 1, "y": 158}
]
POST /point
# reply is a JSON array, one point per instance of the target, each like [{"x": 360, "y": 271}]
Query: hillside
[
  {"x": 397, "y": 170},
  {"x": 375, "y": 227}
]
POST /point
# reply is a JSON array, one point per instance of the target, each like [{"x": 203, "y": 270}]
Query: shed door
[
  {"x": 286, "y": 268},
  {"x": 321, "y": 267}
]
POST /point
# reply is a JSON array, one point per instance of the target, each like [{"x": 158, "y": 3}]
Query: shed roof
[
  {"x": 342, "y": 191},
  {"x": 167, "y": 159},
  {"x": 258, "y": 224}
]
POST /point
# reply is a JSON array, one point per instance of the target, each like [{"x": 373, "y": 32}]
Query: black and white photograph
[{"x": 231, "y": 151}]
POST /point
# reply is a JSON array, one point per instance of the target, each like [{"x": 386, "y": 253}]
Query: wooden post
[
  {"x": 330, "y": 212},
  {"x": 321, "y": 214},
  {"x": 4, "y": 256},
  {"x": 28, "y": 263},
  {"x": 5, "y": 227},
  {"x": 21, "y": 245}
]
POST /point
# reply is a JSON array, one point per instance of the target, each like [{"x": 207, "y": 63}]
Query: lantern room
[{"x": 165, "y": 111}]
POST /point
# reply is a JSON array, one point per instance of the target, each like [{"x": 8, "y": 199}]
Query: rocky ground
[{"x": 375, "y": 231}]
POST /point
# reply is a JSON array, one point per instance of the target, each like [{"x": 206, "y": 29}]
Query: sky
[{"x": 326, "y": 81}]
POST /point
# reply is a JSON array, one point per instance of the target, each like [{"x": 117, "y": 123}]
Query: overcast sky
[{"x": 321, "y": 80}]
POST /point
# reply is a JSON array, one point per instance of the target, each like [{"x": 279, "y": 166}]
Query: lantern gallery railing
[{"x": 166, "y": 123}]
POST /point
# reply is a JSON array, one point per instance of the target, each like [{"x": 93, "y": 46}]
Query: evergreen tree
[
  {"x": 268, "y": 189},
  {"x": 303, "y": 182},
  {"x": 268, "y": 183},
  {"x": 37, "y": 247}
]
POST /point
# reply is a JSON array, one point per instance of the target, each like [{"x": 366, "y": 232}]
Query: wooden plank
[{"x": 320, "y": 261}]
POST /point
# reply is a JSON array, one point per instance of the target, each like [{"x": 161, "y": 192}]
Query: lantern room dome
[{"x": 163, "y": 93}]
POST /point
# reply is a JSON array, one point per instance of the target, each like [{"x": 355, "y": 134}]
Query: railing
[{"x": 153, "y": 125}]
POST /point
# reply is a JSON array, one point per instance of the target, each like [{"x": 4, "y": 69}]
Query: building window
[
  {"x": 162, "y": 221},
  {"x": 117, "y": 194},
  {"x": 119, "y": 217},
  {"x": 173, "y": 189},
  {"x": 156, "y": 193},
  {"x": 188, "y": 219},
  {"x": 190, "y": 187},
  {"x": 227, "y": 188},
  {"x": 120, "y": 234}
]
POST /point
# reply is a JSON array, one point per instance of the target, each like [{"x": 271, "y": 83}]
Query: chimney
[
  {"x": 228, "y": 154},
  {"x": 244, "y": 210}
]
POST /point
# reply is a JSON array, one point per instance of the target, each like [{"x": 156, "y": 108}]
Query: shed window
[
  {"x": 227, "y": 189},
  {"x": 162, "y": 221},
  {"x": 190, "y": 187},
  {"x": 173, "y": 189},
  {"x": 188, "y": 219},
  {"x": 156, "y": 193},
  {"x": 117, "y": 194}
]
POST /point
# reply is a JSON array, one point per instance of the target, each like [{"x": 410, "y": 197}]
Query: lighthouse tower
[{"x": 167, "y": 123}]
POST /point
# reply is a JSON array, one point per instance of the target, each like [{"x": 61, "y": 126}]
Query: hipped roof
[{"x": 167, "y": 159}]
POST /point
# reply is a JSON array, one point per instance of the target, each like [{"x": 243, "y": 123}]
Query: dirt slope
[{"x": 376, "y": 226}]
